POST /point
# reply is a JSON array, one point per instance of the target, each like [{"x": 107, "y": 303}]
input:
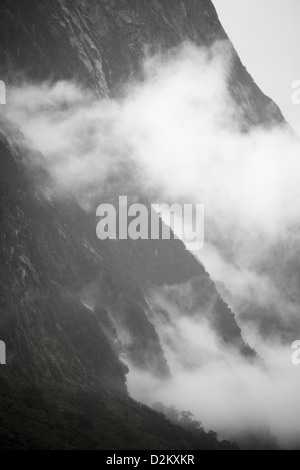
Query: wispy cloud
[{"x": 180, "y": 128}]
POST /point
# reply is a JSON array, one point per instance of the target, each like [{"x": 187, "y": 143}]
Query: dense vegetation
[{"x": 31, "y": 421}]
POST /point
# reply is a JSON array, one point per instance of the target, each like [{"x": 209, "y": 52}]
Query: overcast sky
[{"x": 266, "y": 34}]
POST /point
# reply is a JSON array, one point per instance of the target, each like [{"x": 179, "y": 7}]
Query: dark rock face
[
  {"x": 103, "y": 43},
  {"x": 49, "y": 333},
  {"x": 50, "y": 260}
]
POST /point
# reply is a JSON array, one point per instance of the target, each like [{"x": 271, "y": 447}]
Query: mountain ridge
[{"x": 52, "y": 264}]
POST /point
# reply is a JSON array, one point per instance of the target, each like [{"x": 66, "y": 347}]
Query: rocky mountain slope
[
  {"x": 69, "y": 302},
  {"x": 56, "y": 346}
]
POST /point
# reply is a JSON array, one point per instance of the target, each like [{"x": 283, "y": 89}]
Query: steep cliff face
[
  {"x": 103, "y": 43},
  {"x": 49, "y": 333},
  {"x": 100, "y": 44},
  {"x": 71, "y": 304},
  {"x": 64, "y": 371}
]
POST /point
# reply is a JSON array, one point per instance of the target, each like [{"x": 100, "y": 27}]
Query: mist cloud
[{"x": 180, "y": 129}]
